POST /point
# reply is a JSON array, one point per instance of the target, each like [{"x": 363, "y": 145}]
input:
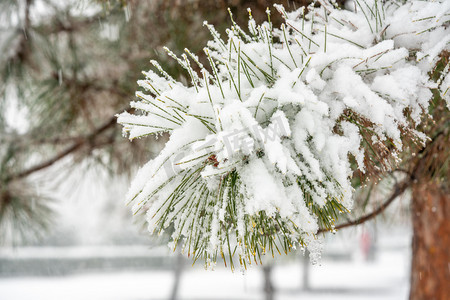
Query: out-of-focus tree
[{"x": 66, "y": 69}]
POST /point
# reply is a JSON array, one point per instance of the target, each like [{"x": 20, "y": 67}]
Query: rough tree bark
[
  {"x": 430, "y": 275},
  {"x": 430, "y": 173}
]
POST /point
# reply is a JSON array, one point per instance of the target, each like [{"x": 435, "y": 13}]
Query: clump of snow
[{"x": 262, "y": 143}]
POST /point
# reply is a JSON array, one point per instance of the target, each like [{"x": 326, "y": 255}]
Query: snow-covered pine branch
[{"x": 264, "y": 142}]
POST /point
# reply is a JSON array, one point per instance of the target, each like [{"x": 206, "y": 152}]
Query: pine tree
[
  {"x": 365, "y": 89},
  {"x": 71, "y": 71}
]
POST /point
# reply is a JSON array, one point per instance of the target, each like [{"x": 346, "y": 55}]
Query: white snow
[
  {"x": 385, "y": 278},
  {"x": 333, "y": 73}
]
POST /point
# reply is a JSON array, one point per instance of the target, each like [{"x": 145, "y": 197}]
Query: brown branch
[
  {"x": 57, "y": 26},
  {"x": 399, "y": 189},
  {"x": 22, "y": 49},
  {"x": 412, "y": 177},
  {"x": 27, "y": 14},
  {"x": 82, "y": 141},
  {"x": 47, "y": 163}
]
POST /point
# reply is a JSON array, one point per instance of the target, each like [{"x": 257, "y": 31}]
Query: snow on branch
[{"x": 264, "y": 141}]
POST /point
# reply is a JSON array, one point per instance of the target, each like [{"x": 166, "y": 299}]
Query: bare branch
[
  {"x": 82, "y": 141},
  {"x": 27, "y": 15},
  {"x": 399, "y": 189}
]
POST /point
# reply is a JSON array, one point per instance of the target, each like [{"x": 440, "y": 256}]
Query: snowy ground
[
  {"x": 384, "y": 278},
  {"x": 97, "y": 272}
]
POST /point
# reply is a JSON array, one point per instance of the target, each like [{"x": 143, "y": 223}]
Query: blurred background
[{"x": 66, "y": 68}]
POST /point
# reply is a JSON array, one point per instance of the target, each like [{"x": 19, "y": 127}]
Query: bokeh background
[{"x": 66, "y": 68}]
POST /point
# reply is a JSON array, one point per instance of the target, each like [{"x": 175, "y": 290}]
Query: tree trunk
[
  {"x": 430, "y": 275},
  {"x": 306, "y": 266},
  {"x": 178, "y": 269},
  {"x": 268, "y": 286}
]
